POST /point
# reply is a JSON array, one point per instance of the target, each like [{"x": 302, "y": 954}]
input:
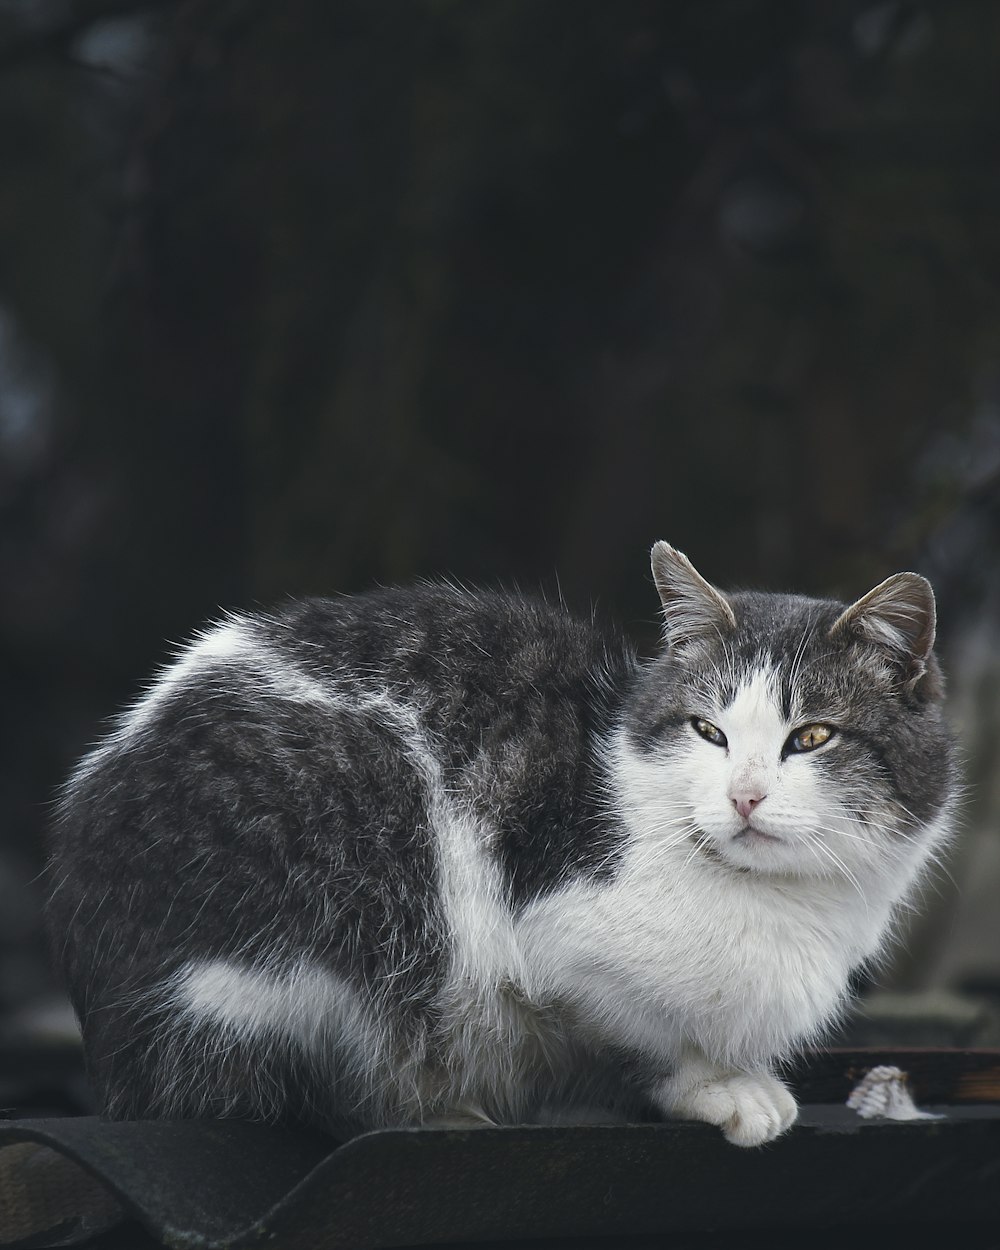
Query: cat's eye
[
  {"x": 810, "y": 737},
  {"x": 709, "y": 731}
]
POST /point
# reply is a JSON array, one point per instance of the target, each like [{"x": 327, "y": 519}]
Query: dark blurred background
[{"x": 301, "y": 297}]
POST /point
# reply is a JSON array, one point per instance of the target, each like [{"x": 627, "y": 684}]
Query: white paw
[{"x": 750, "y": 1110}]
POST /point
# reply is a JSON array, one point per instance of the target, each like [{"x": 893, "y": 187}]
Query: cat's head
[{"x": 783, "y": 734}]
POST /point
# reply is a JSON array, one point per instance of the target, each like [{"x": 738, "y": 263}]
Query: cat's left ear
[
  {"x": 899, "y": 614},
  {"x": 692, "y": 607}
]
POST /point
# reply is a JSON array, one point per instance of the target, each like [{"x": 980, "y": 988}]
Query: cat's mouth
[{"x": 751, "y": 835}]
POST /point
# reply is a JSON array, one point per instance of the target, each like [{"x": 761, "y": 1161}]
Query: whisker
[{"x": 815, "y": 844}]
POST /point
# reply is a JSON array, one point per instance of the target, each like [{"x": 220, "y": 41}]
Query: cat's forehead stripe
[
  {"x": 753, "y": 716},
  {"x": 757, "y": 689}
]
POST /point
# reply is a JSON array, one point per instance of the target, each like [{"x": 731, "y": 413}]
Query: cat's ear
[
  {"x": 899, "y": 615},
  {"x": 692, "y": 607}
]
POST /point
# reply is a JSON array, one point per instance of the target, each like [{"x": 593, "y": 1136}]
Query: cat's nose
[{"x": 746, "y": 800}]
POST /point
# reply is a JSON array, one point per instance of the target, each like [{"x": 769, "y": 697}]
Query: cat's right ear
[
  {"x": 899, "y": 616},
  {"x": 692, "y": 607}
]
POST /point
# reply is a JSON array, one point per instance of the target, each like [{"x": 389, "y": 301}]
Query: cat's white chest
[{"x": 741, "y": 968}]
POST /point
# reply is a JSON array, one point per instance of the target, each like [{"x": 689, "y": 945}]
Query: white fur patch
[
  {"x": 484, "y": 950},
  {"x": 281, "y": 1012},
  {"x": 303, "y": 1005}
]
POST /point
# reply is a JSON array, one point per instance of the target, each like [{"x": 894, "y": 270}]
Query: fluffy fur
[{"x": 426, "y": 855}]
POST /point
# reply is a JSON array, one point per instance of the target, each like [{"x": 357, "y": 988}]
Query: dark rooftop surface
[{"x": 214, "y": 1184}]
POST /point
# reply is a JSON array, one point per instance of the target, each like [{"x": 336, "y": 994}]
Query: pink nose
[{"x": 746, "y": 802}]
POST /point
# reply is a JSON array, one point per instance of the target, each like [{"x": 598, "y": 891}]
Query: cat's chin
[
  {"x": 756, "y": 837},
  {"x": 752, "y": 848}
]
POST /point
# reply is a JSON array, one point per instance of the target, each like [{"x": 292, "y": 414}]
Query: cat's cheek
[
  {"x": 827, "y": 837},
  {"x": 803, "y": 811},
  {"x": 712, "y": 809}
]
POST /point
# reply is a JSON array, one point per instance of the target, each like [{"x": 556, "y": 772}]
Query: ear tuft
[
  {"x": 692, "y": 607},
  {"x": 899, "y": 615}
]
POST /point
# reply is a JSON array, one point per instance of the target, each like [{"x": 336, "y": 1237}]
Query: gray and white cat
[{"x": 428, "y": 854}]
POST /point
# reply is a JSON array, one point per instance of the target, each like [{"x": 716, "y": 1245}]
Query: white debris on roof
[{"x": 883, "y": 1093}]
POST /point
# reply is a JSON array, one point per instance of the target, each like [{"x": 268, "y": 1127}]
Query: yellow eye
[
  {"x": 709, "y": 731},
  {"x": 810, "y": 737}
]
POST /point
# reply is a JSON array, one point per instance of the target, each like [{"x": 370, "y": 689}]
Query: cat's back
[
  {"x": 449, "y": 646},
  {"x": 453, "y": 658}
]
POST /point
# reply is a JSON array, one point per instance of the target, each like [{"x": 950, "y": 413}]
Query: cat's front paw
[{"x": 750, "y": 1109}]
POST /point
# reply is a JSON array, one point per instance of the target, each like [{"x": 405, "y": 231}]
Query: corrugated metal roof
[{"x": 211, "y": 1185}]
